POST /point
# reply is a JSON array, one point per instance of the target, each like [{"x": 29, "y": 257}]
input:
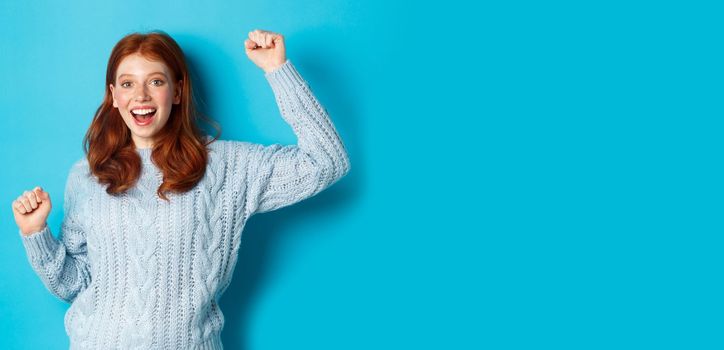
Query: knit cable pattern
[
  {"x": 142, "y": 203},
  {"x": 208, "y": 251}
]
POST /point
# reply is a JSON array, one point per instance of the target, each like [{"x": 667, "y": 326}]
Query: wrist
[
  {"x": 274, "y": 67},
  {"x": 27, "y": 231}
]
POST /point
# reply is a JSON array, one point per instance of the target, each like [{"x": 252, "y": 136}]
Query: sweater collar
[{"x": 145, "y": 154}]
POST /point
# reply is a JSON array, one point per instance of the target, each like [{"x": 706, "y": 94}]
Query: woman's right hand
[{"x": 31, "y": 210}]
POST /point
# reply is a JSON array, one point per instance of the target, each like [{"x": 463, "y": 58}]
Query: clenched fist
[
  {"x": 266, "y": 49},
  {"x": 31, "y": 210}
]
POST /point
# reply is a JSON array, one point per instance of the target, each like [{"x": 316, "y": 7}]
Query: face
[{"x": 144, "y": 94}]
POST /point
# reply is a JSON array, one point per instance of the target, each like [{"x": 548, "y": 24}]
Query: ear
[
  {"x": 115, "y": 104},
  {"x": 177, "y": 92}
]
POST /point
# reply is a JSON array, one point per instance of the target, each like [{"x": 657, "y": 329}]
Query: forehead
[{"x": 137, "y": 65}]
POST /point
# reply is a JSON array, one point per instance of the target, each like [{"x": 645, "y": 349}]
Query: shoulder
[
  {"x": 229, "y": 149},
  {"x": 78, "y": 177},
  {"x": 239, "y": 157},
  {"x": 79, "y": 169}
]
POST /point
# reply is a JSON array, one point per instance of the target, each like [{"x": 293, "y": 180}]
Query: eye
[
  {"x": 157, "y": 82},
  {"x": 125, "y": 84}
]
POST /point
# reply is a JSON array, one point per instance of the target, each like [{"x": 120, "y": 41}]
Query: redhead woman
[{"x": 153, "y": 213}]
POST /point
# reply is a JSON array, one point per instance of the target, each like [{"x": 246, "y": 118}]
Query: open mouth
[{"x": 144, "y": 116}]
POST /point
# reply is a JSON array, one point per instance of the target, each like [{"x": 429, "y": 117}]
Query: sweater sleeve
[
  {"x": 62, "y": 264},
  {"x": 283, "y": 175}
]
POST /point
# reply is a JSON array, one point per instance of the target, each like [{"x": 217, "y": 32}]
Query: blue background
[{"x": 525, "y": 175}]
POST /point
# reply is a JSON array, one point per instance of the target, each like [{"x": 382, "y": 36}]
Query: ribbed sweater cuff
[
  {"x": 39, "y": 245},
  {"x": 286, "y": 78}
]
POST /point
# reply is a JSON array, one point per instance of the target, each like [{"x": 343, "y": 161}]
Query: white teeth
[{"x": 143, "y": 111}]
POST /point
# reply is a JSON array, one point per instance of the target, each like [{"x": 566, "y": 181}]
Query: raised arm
[
  {"x": 62, "y": 264},
  {"x": 283, "y": 175}
]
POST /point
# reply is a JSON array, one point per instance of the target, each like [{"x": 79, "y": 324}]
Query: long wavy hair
[{"x": 179, "y": 149}]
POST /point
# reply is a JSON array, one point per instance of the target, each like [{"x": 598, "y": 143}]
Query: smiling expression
[{"x": 144, "y": 93}]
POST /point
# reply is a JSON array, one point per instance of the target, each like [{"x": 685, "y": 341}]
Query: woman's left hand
[{"x": 266, "y": 49}]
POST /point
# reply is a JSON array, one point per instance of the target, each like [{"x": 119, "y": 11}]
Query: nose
[{"x": 141, "y": 94}]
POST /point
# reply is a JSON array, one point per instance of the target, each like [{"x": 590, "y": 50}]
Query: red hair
[{"x": 179, "y": 149}]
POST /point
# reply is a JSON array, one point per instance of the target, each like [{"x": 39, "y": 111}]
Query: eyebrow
[{"x": 154, "y": 73}]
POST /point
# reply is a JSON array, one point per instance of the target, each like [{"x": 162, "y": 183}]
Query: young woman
[{"x": 153, "y": 214}]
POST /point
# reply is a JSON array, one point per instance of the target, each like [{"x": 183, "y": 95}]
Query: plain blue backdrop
[{"x": 525, "y": 175}]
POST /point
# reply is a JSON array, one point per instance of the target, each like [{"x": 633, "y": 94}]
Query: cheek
[
  {"x": 122, "y": 100},
  {"x": 164, "y": 96},
  {"x": 165, "y": 99}
]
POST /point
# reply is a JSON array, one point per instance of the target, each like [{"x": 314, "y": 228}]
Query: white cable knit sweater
[{"x": 143, "y": 273}]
